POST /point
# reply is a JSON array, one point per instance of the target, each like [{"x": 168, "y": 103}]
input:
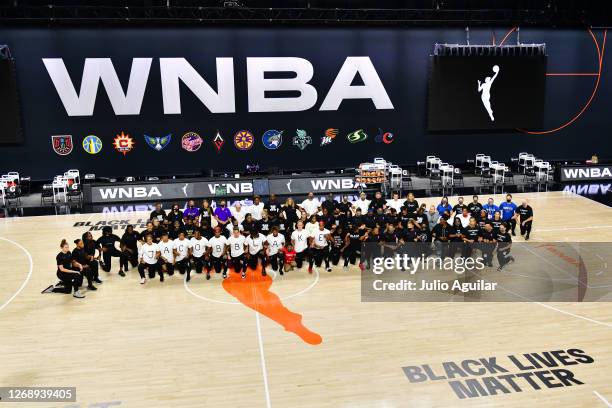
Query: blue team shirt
[
  {"x": 490, "y": 209},
  {"x": 441, "y": 209},
  {"x": 507, "y": 210}
]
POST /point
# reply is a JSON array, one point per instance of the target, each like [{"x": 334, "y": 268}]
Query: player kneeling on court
[
  {"x": 148, "y": 255},
  {"x": 68, "y": 273},
  {"x": 198, "y": 247},
  {"x": 181, "y": 254},
  {"x": 299, "y": 239},
  {"x": 217, "y": 245},
  {"x": 256, "y": 244},
  {"x": 237, "y": 251},
  {"x": 275, "y": 243},
  {"x": 504, "y": 244},
  {"x": 320, "y": 248},
  {"x": 87, "y": 266},
  {"x": 289, "y": 255},
  {"x": 166, "y": 258}
]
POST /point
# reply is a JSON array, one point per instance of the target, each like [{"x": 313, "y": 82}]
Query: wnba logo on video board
[
  {"x": 92, "y": 144},
  {"x": 62, "y": 144}
]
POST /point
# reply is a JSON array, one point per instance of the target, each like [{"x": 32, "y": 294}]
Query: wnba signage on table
[{"x": 174, "y": 71}]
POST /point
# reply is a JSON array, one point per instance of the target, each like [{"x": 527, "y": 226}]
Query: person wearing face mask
[
  {"x": 191, "y": 211},
  {"x": 329, "y": 203},
  {"x": 273, "y": 207},
  {"x": 524, "y": 215},
  {"x": 508, "y": 209},
  {"x": 444, "y": 206},
  {"x": 175, "y": 214},
  {"x": 222, "y": 214},
  {"x": 344, "y": 209}
]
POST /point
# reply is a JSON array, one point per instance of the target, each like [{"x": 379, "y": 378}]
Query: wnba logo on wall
[
  {"x": 357, "y": 136},
  {"x": 62, "y": 144},
  {"x": 330, "y": 135},
  {"x": 191, "y": 142},
  {"x": 158, "y": 143}
]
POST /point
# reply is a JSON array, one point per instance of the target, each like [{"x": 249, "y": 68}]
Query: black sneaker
[
  {"x": 121, "y": 273},
  {"x": 161, "y": 277},
  {"x": 527, "y": 237},
  {"x": 97, "y": 280},
  {"x": 499, "y": 269},
  {"x": 513, "y": 234},
  {"x": 224, "y": 275},
  {"x": 263, "y": 273},
  {"x": 91, "y": 288},
  {"x": 188, "y": 278},
  {"x": 243, "y": 274},
  {"x": 208, "y": 276},
  {"x": 48, "y": 290},
  {"x": 281, "y": 272}
]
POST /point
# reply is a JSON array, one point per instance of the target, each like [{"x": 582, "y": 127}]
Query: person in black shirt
[
  {"x": 421, "y": 217},
  {"x": 81, "y": 260},
  {"x": 496, "y": 222},
  {"x": 411, "y": 204},
  {"x": 158, "y": 213},
  {"x": 378, "y": 202},
  {"x": 372, "y": 249},
  {"x": 380, "y": 218},
  {"x": 264, "y": 225},
  {"x": 249, "y": 224},
  {"x": 174, "y": 229},
  {"x": 524, "y": 215},
  {"x": 175, "y": 215},
  {"x": 89, "y": 255},
  {"x": 129, "y": 248},
  {"x": 389, "y": 241},
  {"x": 206, "y": 212},
  {"x": 458, "y": 208},
  {"x": 338, "y": 237},
  {"x": 273, "y": 207},
  {"x": 107, "y": 242},
  {"x": 471, "y": 238},
  {"x": 344, "y": 209},
  {"x": 329, "y": 203},
  {"x": 91, "y": 245},
  {"x": 369, "y": 219},
  {"x": 441, "y": 233},
  {"x": 149, "y": 230},
  {"x": 504, "y": 244},
  {"x": 326, "y": 218},
  {"x": 358, "y": 220},
  {"x": 475, "y": 207},
  {"x": 189, "y": 229},
  {"x": 352, "y": 246},
  {"x": 392, "y": 218},
  {"x": 68, "y": 273},
  {"x": 290, "y": 211},
  {"x": 489, "y": 239},
  {"x": 455, "y": 237}
]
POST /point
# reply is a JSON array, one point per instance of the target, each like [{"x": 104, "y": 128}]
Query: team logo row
[{"x": 192, "y": 142}]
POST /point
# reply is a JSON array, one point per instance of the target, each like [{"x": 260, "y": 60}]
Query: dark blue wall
[{"x": 401, "y": 58}]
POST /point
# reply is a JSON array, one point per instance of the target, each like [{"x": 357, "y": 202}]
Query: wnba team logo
[
  {"x": 191, "y": 142},
  {"x": 62, "y": 144},
  {"x": 123, "y": 143},
  {"x": 92, "y": 144},
  {"x": 384, "y": 137},
  {"x": 243, "y": 140},
  {"x": 272, "y": 139},
  {"x": 330, "y": 135}
]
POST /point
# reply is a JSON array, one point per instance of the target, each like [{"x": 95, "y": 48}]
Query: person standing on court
[
  {"x": 222, "y": 214},
  {"x": 504, "y": 244},
  {"x": 310, "y": 204},
  {"x": 158, "y": 213},
  {"x": 411, "y": 204},
  {"x": 490, "y": 208},
  {"x": 524, "y": 215},
  {"x": 508, "y": 209},
  {"x": 475, "y": 207}
]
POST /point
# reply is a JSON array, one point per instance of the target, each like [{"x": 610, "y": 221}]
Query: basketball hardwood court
[{"x": 203, "y": 344}]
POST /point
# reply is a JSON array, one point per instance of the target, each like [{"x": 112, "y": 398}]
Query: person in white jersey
[
  {"x": 256, "y": 243},
  {"x": 217, "y": 245},
  {"x": 148, "y": 255},
  {"x": 311, "y": 204},
  {"x": 362, "y": 203},
  {"x": 236, "y": 244},
  {"x": 181, "y": 253},
  {"x": 166, "y": 251},
  {"x": 299, "y": 239},
  {"x": 256, "y": 209},
  {"x": 275, "y": 243},
  {"x": 395, "y": 202},
  {"x": 198, "y": 248},
  {"x": 320, "y": 247}
]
